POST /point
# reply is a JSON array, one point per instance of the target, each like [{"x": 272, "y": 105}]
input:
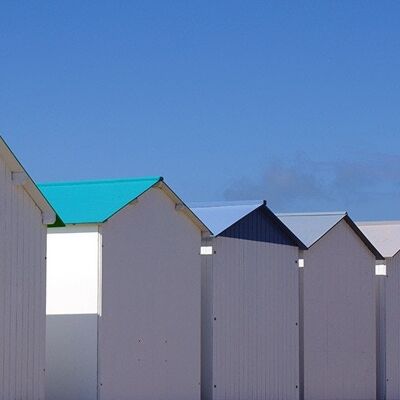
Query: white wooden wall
[
  {"x": 339, "y": 318},
  {"x": 73, "y": 270},
  {"x": 149, "y": 330},
  {"x": 250, "y": 321},
  {"x": 73, "y": 275},
  {"x": 22, "y": 293},
  {"x": 393, "y": 328},
  {"x": 71, "y": 357}
]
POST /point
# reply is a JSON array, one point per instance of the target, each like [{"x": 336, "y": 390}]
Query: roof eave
[
  {"x": 48, "y": 213},
  {"x": 160, "y": 179},
  {"x": 364, "y": 239},
  {"x": 290, "y": 233},
  {"x": 263, "y": 206},
  {"x": 181, "y": 206},
  {"x": 220, "y": 232}
]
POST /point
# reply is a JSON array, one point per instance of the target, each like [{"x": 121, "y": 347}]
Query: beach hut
[
  {"x": 123, "y": 292},
  {"x": 250, "y": 303},
  {"x": 24, "y": 213},
  {"x": 385, "y": 235},
  {"x": 337, "y": 307}
]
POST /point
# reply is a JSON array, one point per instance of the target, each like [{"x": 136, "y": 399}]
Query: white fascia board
[
  {"x": 20, "y": 177},
  {"x": 180, "y": 206}
]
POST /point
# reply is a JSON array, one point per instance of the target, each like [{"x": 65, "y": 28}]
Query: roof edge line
[
  {"x": 97, "y": 181},
  {"x": 31, "y": 188},
  {"x": 191, "y": 215},
  {"x": 159, "y": 179},
  {"x": 305, "y": 214},
  {"x": 364, "y": 238}
]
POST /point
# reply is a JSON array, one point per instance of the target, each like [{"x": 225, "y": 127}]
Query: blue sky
[{"x": 296, "y": 102}]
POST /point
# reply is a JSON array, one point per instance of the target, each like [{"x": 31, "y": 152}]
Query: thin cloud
[{"x": 306, "y": 184}]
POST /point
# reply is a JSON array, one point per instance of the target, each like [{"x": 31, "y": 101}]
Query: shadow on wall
[{"x": 72, "y": 339}]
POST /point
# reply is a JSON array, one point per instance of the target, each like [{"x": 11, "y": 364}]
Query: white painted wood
[
  {"x": 380, "y": 269},
  {"x": 392, "y": 328},
  {"x": 250, "y": 316},
  {"x": 149, "y": 331},
  {"x": 139, "y": 276},
  {"x": 16, "y": 170},
  {"x": 73, "y": 304},
  {"x": 47, "y": 218},
  {"x": 19, "y": 178},
  {"x": 22, "y": 289},
  {"x": 206, "y": 250},
  {"x": 339, "y": 318},
  {"x": 71, "y": 357},
  {"x": 73, "y": 270}
]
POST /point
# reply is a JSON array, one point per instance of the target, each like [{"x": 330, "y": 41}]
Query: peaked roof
[
  {"x": 94, "y": 202},
  {"x": 310, "y": 227},
  {"x": 23, "y": 178},
  {"x": 384, "y": 235},
  {"x": 219, "y": 216}
]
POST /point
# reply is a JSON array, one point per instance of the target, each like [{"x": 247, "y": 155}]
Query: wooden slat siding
[
  {"x": 71, "y": 357},
  {"x": 206, "y": 324},
  {"x": 29, "y": 293},
  {"x": 380, "y": 337},
  {"x": 42, "y": 315},
  {"x": 8, "y": 284},
  {"x": 19, "y": 277},
  {"x": 339, "y": 318},
  {"x": 22, "y": 238},
  {"x": 261, "y": 226},
  {"x": 149, "y": 330},
  {"x": 34, "y": 323},
  {"x": 393, "y": 328},
  {"x": 13, "y": 268},
  {"x": 255, "y": 348},
  {"x": 3, "y": 276}
]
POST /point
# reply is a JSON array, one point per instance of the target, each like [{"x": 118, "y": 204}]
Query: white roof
[
  {"x": 310, "y": 227},
  {"x": 219, "y": 216},
  {"x": 19, "y": 173},
  {"x": 384, "y": 235}
]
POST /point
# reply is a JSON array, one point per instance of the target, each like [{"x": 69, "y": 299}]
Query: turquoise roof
[{"x": 94, "y": 201}]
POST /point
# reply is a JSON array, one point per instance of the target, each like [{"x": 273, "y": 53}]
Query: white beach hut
[
  {"x": 250, "y": 304},
  {"x": 24, "y": 213},
  {"x": 339, "y": 358},
  {"x": 123, "y": 292},
  {"x": 385, "y": 235}
]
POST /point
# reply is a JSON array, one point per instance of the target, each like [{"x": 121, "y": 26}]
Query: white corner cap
[
  {"x": 19, "y": 178},
  {"x": 206, "y": 250},
  {"x": 48, "y": 218},
  {"x": 380, "y": 269}
]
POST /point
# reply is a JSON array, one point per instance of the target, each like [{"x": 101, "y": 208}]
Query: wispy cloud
[{"x": 361, "y": 186}]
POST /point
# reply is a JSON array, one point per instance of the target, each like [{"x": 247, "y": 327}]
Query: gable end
[{"x": 261, "y": 226}]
